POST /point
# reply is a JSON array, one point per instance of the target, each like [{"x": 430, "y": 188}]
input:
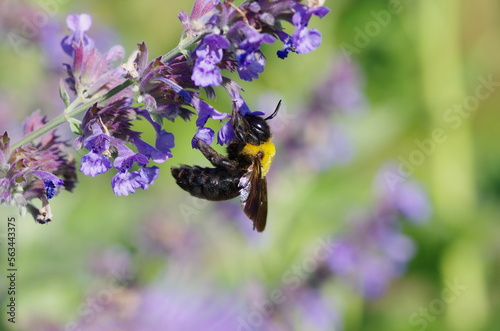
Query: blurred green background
[{"x": 418, "y": 60}]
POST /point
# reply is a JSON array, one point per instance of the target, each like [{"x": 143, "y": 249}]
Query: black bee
[{"x": 242, "y": 172}]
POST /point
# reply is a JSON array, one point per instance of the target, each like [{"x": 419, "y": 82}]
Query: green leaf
[
  {"x": 75, "y": 126},
  {"x": 64, "y": 94}
]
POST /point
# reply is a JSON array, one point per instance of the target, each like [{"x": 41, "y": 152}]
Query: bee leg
[{"x": 218, "y": 160}]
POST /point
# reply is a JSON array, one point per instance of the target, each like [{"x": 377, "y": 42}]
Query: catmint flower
[
  {"x": 317, "y": 134},
  {"x": 229, "y": 38},
  {"x": 97, "y": 160},
  {"x": 249, "y": 58},
  {"x": 79, "y": 24},
  {"x": 105, "y": 133},
  {"x": 306, "y": 40},
  {"x": 125, "y": 181},
  {"x": 35, "y": 171},
  {"x": 371, "y": 254},
  {"x": 208, "y": 55},
  {"x": 303, "y": 39}
]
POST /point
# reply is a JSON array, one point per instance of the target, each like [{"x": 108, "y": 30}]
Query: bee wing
[{"x": 253, "y": 195}]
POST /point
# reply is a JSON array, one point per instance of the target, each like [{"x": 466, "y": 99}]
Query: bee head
[{"x": 255, "y": 129}]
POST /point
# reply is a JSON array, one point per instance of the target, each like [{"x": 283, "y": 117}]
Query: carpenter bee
[{"x": 241, "y": 173}]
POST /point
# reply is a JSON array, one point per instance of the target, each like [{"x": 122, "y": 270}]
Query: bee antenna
[{"x": 275, "y": 112}]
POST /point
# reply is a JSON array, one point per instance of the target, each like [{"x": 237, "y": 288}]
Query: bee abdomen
[{"x": 207, "y": 183}]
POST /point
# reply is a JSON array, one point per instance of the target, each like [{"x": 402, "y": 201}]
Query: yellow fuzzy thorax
[{"x": 267, "y": 149}]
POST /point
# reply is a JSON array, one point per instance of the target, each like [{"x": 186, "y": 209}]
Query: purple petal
[
  {"x": 94, "y": 164},
  {"x": 164, "y": 141},
  {"x": 97, "y": 143},
  {"x": 126, "y": 158},
  {"x": 412, "y": 202},
  {"x": 226, "y": 134},
  {"x": 206, "y": 74},
  {"x": 125, "y": 182},
  {"x": 151, "y": 152},
  {"x": 320, "y": 11},
  {"x": 306, "y": 40},
  {"x": 79, "y": 23},
  {"x": 204, "y": 134},
  {"x": 250, "y": 71},
  {"x": 205, "y": 111},
  {"x": 148, "y": 175}
]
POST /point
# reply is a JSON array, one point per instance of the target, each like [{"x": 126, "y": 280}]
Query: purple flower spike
[
  {"x": 90, "y": 73},
  {"x": 125, "y": 181},
  {"x": 248, "y": 55}
]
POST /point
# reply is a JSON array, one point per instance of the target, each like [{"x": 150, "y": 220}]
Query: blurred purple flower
[
  {"x": 371, "y": 254},
  {"x": 112, "y": 261},
  {"x": 344, "y": 87},
  {"x": 374, "y": 251},
  {"x": 315, "y": 135},
  {"x": 171, "y": 303},
  {"x": 317, "y": 309},
  {"x": 171, "y": 238},
  {"x": 329, "y": 145},
  {"x": 412, "y": 202},
  {"x": 79, "y": 24},
  {"x": 401, "y": 195}
]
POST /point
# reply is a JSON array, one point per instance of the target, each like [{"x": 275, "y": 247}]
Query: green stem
[{"x": 65, "y": 115}]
